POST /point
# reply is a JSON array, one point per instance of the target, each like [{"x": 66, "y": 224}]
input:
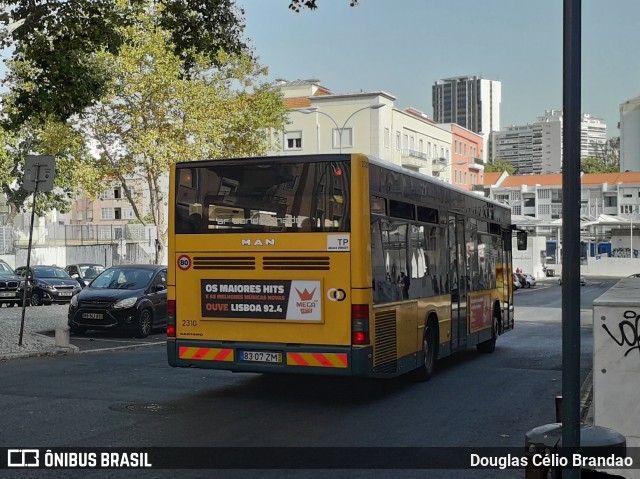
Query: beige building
[
  {"x": 365, "y": 122},
  {"x": 110, "y": 207}
]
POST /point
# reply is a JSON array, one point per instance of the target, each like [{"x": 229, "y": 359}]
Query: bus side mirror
[{"x": 521, "y": 238}]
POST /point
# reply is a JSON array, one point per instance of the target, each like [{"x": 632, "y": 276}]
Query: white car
[
  {"x": 583, "y": 281},
  {"x": 530, "y": 279}
]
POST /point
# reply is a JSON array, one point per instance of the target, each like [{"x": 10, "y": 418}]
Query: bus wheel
[
  {"x": 425, "y": 371},
  {"x": 489, "y": 346}
]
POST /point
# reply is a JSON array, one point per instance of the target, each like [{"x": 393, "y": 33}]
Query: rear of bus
[{"x": 268, "y": 267}]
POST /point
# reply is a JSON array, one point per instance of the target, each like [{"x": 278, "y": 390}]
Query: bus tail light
[
  {"x": 360, "y": 324},
  {"x": 171, "y": 318}
]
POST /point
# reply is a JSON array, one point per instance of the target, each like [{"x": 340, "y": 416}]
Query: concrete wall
[
  {"x": 615, "y": 267},
  {"x": 616, "y": 364}
]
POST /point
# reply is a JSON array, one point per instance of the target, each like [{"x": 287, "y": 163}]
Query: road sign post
[{"x": 39, "y": 174}]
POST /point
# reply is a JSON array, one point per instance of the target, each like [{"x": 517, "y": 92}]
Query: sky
[{"x": 403, "y": 46}]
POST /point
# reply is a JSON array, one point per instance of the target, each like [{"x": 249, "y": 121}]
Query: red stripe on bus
[
  {"x": 298, "y": 359},
  {"x": 222, "y": 355}
]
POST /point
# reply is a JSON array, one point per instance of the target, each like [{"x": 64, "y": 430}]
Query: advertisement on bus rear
[{"x": 268, "y": 299}]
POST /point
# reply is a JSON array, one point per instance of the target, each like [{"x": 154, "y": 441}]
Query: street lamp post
[{"x": 308, "y": 111}]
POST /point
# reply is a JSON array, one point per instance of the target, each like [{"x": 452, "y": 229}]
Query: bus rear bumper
[{"x": 288, "y": 358}]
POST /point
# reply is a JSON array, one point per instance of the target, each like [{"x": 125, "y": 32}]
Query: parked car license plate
[
  {"x": 9, "y": 294},
  {"x": 65, "y": 293},
  {"x": 92, "y": 315},
  {"x": 261, "y": 356}
]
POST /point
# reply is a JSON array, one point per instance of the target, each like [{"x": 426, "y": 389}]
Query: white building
[
  {"x": 630, "y": 135},
  {"x": 469, "y": 101},
  {"x": 365, "y": 122},
  {"x": 536, "y": 148}
]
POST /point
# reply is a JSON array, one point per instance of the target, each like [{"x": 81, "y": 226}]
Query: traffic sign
[
  {"x": 40, "y": 170},
  {"x": 184, "y": 262}
]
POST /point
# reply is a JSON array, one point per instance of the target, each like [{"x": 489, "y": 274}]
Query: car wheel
[
  {"x": 425, "y": 371},
  {"x": 527, "y": 285},
  {"x": 489, "y": 346},
  {"x": 36, "y": 300},
  {"x": 145, "y": 324}
]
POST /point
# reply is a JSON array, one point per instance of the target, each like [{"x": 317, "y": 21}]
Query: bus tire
[
  {"x": 425, "y": 370},
  {"x": 489, "y": 346}
]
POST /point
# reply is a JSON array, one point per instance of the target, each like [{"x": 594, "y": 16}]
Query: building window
[
  {"x": 544, "y": 210},
  {"x": 293, "y": 140},
  {"x": 344, "y": 139},
  {"x": 429, "y": 149},
  {"x": 106, "y": 213},
  {"x": 515, "y": 210},
  {"x": 398, "y": 145},
  {"x": 544, "y": 194},
  {"x": 515, "y": 195},
  {"x": 128, "y": 214},
  {"x": 405, "y": 142},
  {"x": 420, "y": 146},
  {"x": 387, "y": 135}
]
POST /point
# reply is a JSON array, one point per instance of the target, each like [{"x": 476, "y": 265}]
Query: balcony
[{"x": 413, "y": 158}]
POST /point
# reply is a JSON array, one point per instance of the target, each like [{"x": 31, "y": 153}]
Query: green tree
[
  {"x": 498, "y": 166},
  {"x": 155, "y": 115},
  {"x": 297, "y": 5},
  {"x": 74, "y": 165},
  {"x": 52, "y": 72}
]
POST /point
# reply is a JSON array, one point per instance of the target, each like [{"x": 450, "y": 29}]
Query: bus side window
[{"x": 379, "y": 273}]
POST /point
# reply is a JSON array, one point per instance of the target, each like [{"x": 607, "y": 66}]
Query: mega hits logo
[{"x": 304, "y": 301}]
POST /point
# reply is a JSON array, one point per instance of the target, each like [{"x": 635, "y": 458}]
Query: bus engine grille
[
  {"x": 385, "y": 352},
  {"x": 304, "y": 263},
  {"x": 224, "y": 262}
]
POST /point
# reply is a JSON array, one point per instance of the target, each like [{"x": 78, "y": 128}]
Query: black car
[
  {"x": 10, "y": 286},
  {"x": 49, "y": 285},
  {"x": 84, "y": 273},
  {"x": 130, "y": 298}
]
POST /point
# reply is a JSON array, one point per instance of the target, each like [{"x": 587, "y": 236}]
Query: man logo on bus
[{"x": 306, "y": 303}]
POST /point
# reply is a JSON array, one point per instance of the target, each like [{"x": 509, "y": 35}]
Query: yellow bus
[{"x": 331, "y": 264}]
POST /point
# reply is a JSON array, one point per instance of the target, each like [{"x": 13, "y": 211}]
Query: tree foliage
[
  {"x": 74, "y": 165},
  {"x": 155, "y": 115},
  {"x": 606, "y": 159},
  {"x": 52, "y": 72},
  {"x": 498, "y": 166},
  {"x": 297, "y": 5}
]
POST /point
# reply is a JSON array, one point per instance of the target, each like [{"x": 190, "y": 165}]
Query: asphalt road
[{"x": 132, "y": 398}]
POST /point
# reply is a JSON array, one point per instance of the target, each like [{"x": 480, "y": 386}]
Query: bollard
[{"x": 62, "y": 337}]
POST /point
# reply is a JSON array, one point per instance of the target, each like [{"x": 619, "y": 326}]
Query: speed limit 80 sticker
[{"x": 184, "y": 262}]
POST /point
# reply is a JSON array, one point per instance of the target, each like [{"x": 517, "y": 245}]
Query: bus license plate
[{"x": 261, "y": 356}]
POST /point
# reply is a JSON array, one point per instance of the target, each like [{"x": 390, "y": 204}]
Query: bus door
[{"x": 458, "y": 282}]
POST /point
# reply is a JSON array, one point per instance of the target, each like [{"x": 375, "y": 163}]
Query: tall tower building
[{"x": 471, "y": 102}]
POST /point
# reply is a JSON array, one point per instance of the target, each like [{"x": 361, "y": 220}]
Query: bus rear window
[{"x": 260, "y": 197}]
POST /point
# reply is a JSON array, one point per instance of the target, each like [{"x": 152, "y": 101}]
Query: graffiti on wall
[{"x": 628, "y": 334}]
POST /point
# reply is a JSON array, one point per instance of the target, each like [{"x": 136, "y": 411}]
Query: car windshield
[
  {"x": 50, "y": 273},
  {"x": 123, "y": 278},
  {"x": 5, "y": 270},
  {"x": 90, "y": 271}
]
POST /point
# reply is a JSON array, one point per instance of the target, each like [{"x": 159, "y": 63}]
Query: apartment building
[
  {"x": 540, "y": 196},
  {"x": 469, "y": 101},
  {"x": 110, "y": 207},
  {"x": 536, "y": 148},
  {"x": 369, "y": 123},
  {"x": 630, "y": 135}
]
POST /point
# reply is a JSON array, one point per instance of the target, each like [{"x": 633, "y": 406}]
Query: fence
[{"x": 69, "y": 244}]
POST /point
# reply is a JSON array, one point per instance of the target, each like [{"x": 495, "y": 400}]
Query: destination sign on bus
[{"x": 267, "y": 299}]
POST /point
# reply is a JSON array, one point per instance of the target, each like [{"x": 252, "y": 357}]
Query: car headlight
[
  {"x": 74, "y": 300},
  {"x": 125, "y": 303}
]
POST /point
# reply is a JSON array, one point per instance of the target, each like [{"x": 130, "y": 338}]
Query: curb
[{"x": 586, "y": 399}]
